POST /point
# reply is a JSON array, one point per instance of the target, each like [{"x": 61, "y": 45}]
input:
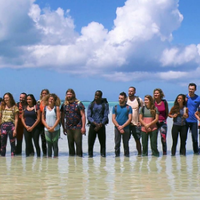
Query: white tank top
[{"x": 51, "y": 118}]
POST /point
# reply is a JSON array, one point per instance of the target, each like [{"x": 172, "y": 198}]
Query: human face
[
  {"x": 29, "y": 101},
  {"x": 22, "y": 98},
  {"x": 131, "y": 92},
  {"x": 122, "y": 100},
  {"x": 156, "y": 94},
  {"x": 97, "y": 96},
  {"x": 44, "y": 93},
  {"x": 180, "y": 99},
  {"x": 69, "y": 96},
  {"x": 6, "y": 99},
  {"x": 147, "y": 102},
  {"x": 191, "y": 90},
  {"x": 51, "y": 101}
]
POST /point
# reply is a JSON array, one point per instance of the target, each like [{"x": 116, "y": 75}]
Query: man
[
  {"x": 73, "y": 122},
  {"x": 193, "y": 102},
  {"x": 135, "y": 103},
  {"x": 121, "y": 118},
  {"x": 20, "y": 128},
  {"x": 97, "y": 115}
]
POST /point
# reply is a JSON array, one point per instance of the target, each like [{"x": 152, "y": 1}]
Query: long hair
[
  {"x": 55, "y": 97},
  {"x": 176, "y": 107},
  {"x": 46, "y": 90},
  {"x": 12, "y": 101},
  {"x": 33, "y": 98},
  {"x": 160, "y": 91},
  {"x": 74, "y": 96},
  {"x": 152, "y": 105}
]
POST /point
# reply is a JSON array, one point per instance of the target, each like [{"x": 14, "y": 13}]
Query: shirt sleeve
[
  {"x": 130, "y": 110},
  {"x": 113, "y": 110},
  {"x": 81, "y": 106},
  {"x": 16, "y": 109},
  {"x": 106, "y": 112},
  {"x": 89, "y": 114}
]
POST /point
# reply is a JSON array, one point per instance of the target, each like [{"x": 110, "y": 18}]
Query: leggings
[
  {"x": 162, "y": 127},
  {"x": 52, "y": 142},
  {"x": 7, "y": 130},
  {"x": 34, "y": 134},
  {"x": 183, "y": 136}
]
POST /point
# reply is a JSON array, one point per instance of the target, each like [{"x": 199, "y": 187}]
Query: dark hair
[
  {"x": 24, "y": 93},
  {"x": 133, "y": 88},
  {"x": 176, "y": 107},
  {"x": 123, "y": 94},
  {"x": 12, "y": 101},
  {"x": 1, "y": 99},
  {"x": 192, "y": 84},
  {"x": 33, "y": 98},
  {"x": 100, "y": 92},
  {"x": 160, "y": 91}
]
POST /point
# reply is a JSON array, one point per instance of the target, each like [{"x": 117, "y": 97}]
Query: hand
[
  {"x": 65, "y": 131},
  {"x": 14, "y": 133},
  {"x": 50, "y": 129},
  {"x": 185, "y": 115},
  {"x": 28, "y": 128},
  {"x": 175, "y": 115},
  {"x": 121, "y": 130},
  {"x": 97, "y": 127},
  {"x": 83, "y": 131}
]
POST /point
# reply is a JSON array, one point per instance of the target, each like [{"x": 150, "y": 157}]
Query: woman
[
  {"x": 30, "y": 120},
  {"x": 163, "y": 110},
  {"x": 148, "y": 117},
  {"x": 40, "y": 103},
  {"x": 8, "y": 120},
  {"x": 179, "y": 113},
  {"x": 51, "y": 119}
]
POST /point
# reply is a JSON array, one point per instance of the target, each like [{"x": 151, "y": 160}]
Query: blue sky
[{"x": 99, "y": 44}]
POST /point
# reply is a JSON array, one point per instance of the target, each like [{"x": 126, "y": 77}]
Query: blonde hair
[
  {"x": 55, "y": 97},
  {"x": 74, "y": 96}
]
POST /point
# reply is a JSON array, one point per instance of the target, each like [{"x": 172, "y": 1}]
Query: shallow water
[{"x": 67, "y": 177}]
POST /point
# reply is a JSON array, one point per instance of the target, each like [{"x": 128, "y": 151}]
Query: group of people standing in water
[{"x": 131, "y": 116}]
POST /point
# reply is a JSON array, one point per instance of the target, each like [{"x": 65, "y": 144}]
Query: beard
[{"x": 70, "y": 98}]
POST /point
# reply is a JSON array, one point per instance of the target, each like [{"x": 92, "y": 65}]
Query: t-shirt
[
  {"x": 162, "y": 111},
  {"x": 135, "y": 109},
  {"x": 148, "y": 118},
  {"x": 192, "y": 104},
  {"x": 8, "y": 115},
  {"x": 72, "y": 117},
  {"x": 122, "y": 113}
]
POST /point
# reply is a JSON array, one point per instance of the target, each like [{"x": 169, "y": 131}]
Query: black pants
[
  {"x": 75, "y": 136},
  {"x": 28, "y": 138},
  {"x": 43, "y": 139},
  {"x": 183, "y": 136},
  {"x": 92, "y": 137},
  {"x": 125, "y": 137}
]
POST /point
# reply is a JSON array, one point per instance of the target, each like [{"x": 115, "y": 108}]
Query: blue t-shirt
[
  {"x": 192, "y": 104},
  {"x": 122, "y": 113}
]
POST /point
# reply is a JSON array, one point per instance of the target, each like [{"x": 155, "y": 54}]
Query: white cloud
[{"x": 137, "y": 48}]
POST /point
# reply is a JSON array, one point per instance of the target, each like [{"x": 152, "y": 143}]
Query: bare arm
[
  {"x": 16, "y": 121},
  {"x": 82, "y": 112}
]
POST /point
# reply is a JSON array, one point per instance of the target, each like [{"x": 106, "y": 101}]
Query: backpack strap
[{"x": 138, "y": 100}]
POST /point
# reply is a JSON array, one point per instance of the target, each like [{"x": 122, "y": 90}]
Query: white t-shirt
[{"x": 135, "y": 109}]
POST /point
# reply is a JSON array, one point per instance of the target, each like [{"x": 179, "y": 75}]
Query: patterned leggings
[{"x": 7, "y": 130}]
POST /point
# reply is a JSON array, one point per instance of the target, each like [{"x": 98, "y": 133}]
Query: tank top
[{"x": 51, "y": 118}]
